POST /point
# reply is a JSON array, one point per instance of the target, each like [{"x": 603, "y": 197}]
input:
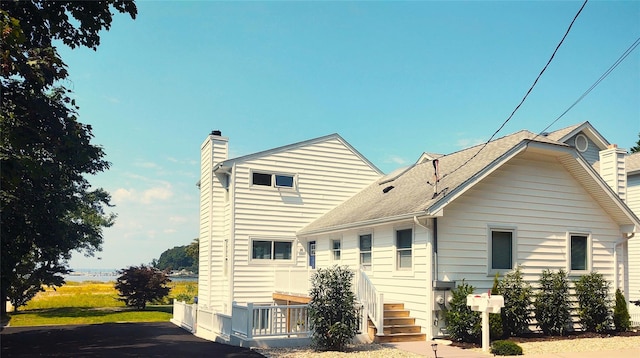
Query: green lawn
[
  {"x": 88, "y": 315},
  {"x": 90, "y": 303}
]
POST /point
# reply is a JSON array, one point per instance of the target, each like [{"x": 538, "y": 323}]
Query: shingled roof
[{"x": 411, "y": 192}]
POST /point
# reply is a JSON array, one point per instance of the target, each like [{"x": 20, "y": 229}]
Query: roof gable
[
  {"x": 245, "y": 158},
  {"x": 564, "y": 134}
]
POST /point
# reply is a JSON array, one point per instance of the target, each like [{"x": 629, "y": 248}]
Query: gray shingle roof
[
  {"x": 413, "y": 192},
  {"x": 633, "y": 163}
]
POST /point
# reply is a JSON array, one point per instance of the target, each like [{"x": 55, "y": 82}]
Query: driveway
[{"x": 159, "y": 339}]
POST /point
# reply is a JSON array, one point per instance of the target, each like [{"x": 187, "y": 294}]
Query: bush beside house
[{"x": 551, "y": 307}]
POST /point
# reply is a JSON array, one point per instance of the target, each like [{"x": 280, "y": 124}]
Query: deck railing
[
  {"x": 253, "y": 321},
  {"x": 372, "y": 300}
]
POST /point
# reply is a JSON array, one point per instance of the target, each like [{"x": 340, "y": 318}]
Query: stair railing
[{"x": 372, "y": 300}]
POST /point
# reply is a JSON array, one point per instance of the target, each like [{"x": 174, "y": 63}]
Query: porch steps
[{"x": 398, "y": 326}]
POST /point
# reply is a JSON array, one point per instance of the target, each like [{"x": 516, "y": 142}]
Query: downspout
[
  {"x": 231, "y": 248},
  {"x": 432, "y": 278},
  {"x": 624, "y": 239}
]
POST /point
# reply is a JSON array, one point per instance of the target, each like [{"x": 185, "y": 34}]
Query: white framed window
[
  {"x": 336, "y": 249},
  {"x": 579, "y": 252},
  {"x": 365, "y": 242},
  {"x": 273, "y": 180},
  {"x": 269, "y": 249},
  {"x": 502, "y": 244},
  {"x": 404, "y": 249}
]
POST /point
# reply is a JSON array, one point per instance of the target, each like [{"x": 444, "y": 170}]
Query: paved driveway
[{"x": 160, "y": 339}]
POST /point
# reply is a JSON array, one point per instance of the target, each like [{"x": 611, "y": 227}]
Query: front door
[{"x": 311, "y": 249}]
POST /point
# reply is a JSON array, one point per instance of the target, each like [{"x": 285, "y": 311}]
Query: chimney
[{"x": 613, "y": 169}]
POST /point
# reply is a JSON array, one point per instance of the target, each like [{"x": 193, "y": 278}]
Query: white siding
[
  {"x": 408, "y": 287},
  {"x": 633, "y": 200},
  {"x": 327, "y": 172},
  {"x": 543, "y": 202},
  {"x": 212, "y": 286},
  {"x": 612, "y": 170}
]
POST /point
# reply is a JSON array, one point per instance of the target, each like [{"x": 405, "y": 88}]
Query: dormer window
[{"x": 273, "y": 180}]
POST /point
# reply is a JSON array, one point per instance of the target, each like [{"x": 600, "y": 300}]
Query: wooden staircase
[{"x": 398, "y": 326}]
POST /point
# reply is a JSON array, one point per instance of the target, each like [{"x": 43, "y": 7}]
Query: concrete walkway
[{"x": 447, "y": 351}]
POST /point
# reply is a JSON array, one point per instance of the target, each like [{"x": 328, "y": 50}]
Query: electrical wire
[
  {"x": 526, "y": 95},
  {"x": 596, "y": 83}
]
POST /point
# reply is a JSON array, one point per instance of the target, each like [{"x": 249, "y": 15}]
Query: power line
[
  {"x": 596, "y": 83},
  {"x": 526, "y": 95}
]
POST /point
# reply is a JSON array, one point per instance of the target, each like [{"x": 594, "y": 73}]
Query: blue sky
[{"x": 395, "y": 79}]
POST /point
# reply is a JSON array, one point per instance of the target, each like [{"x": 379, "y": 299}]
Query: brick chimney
[{"x": 613, "y": 170}]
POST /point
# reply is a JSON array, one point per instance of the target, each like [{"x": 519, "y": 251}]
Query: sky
[{"x": 395, "y": 79}]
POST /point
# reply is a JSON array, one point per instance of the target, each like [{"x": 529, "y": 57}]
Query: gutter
[{"x": 371, "y": 222}]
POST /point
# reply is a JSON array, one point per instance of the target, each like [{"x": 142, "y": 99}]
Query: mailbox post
[{"x": 485, "y": 303}]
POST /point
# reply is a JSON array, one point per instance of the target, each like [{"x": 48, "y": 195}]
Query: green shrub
[
  {"x": 516, "y": 313},
  {"x": 621, "y": 318},
  {"x": 506, "y": 348},
  {"x": 495, "y": 319},
  {"x": 594, "y": 305},
  {"x": 332, "y": 314},
  {"x": 462, "y": 323},
  {"x": 552, "y": 304}
]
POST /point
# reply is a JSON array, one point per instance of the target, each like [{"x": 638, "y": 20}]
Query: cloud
[
  {"x": 178, "y": 219},
  {"x": 156, "y": 194},
  {"x": 148, "y": 165},
  {"x": 148, "y": 196},
  {"x": 395, "y": 160},
  {"x": 468, "y": 142}
]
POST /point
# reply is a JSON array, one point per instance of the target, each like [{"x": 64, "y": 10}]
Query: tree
[
  {"x": 176, "y": 258},
  {"x": 138, "y": 285},
  {"x": 193, "y": 250},
  {"x": 594, "y": 305},
  {"x": 48, "y": 208},
  {"x": 621, "y": 318},
  {"x": 332, "y": 312},
  {"x": 636, "y": 148},
  {"x": 463, "y": 324},
  {"x": 517, "y": 303},
  {"x": 552, "y": 303}
]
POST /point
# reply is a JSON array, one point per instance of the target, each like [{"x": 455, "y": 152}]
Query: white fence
[{"x": 184, "y": 315}]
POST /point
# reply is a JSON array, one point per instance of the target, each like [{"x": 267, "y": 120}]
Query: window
[
  {"x": 271, "y": 250},
  {"x": 261, "y": 179},
  {"x": 579, "y": 252},
  {"x": 284, "y": 181},
  {"x": 501, "y": 249},
  {"x": 273, "y": 180},
  {"x": 365, "y": 251},
  {"x": 582, "y": 143},
  {"x": 335, "y": 249},
  {"x": 404, "y": 240}
]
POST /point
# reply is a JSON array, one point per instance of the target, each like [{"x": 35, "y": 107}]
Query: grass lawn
[{"x": 90, "y": 303}]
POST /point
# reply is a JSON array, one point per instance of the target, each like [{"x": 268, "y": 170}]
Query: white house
[
  {"x": 269, "y": 219},
  {"x": 251, "y": 208}
]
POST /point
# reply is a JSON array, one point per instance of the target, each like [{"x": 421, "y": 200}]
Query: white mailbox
[{"x": 485, "y": 303}]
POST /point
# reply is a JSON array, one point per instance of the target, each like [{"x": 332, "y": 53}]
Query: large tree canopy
[{"x": 48, "y": 208}]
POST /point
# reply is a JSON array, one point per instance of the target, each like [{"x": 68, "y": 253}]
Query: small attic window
[
  {"x": 273, "y": 180},
  {"x": 261, "y": 179},
  {"x": 581, "y": 142}
]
